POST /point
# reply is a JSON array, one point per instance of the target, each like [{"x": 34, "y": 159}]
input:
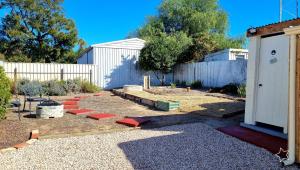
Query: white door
[{"x": 272, "y": 94}]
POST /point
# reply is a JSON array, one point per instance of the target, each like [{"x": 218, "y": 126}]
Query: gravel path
[{"x": 190, "y": 146}]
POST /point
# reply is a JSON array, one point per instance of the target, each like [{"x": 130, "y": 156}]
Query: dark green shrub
[
  {"x": 87, "y": 87},
  {"x": 54, "y": 88},
  {"x": 72, "y": 86},
  {"x": 242, "y": 90},
  {"x": 5, "y": 94},
  {"x": 230, "y": 89},
  {"x": 197, "y": 85}
]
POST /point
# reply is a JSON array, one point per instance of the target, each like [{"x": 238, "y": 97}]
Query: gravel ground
[{"x": 190, "y": 146}]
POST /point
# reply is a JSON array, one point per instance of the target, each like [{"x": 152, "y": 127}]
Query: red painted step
[
  {"x": 270, "y": 143},
  {"x": 80, "y": 111},
  {"x": 133, "y": 122},
  {"x": 99, "y": 116},
  {"x": 74, "y": 99},
  {"x": 67, "y": 107},
  {"x": 70, "y": 103}
]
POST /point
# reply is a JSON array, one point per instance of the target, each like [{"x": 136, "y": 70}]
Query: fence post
[
  {"x": 62, "y": 74},
  {"x": 91, "y": 76},
  {"x": 15, "y": 80}
]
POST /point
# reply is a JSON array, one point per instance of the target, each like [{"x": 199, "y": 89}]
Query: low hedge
[
  {"x": 54, "y": 87},
  {"x": 5, "y": 92}
]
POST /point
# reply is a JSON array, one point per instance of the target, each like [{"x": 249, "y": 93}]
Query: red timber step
[
  {"x": 68, "y": 107},
  {"x": 80, "y": 111},
  {"x": 268, "y": 142},
  {"x": 133, "y": 122},
  {"x": 70, "y": 103},
  {"x": 99, "y": 116},
  {"x": 74, "y": 99}
]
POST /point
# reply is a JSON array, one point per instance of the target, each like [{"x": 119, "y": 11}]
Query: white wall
[
  {"x": 51, "y": 71},
  {"x": 212, "y": 74}
]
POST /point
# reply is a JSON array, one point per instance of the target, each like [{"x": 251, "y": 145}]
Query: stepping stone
[
  {"x": 99, "y": 116},
  {"x": 133, "y": 122},
  {"x": 67, "y": 107},
  {"x": 74, "y": 99},
  {"x": 80, "y": 111},
  {"x": 99, "y": 94},
  {"x": 70, "y": 103}
]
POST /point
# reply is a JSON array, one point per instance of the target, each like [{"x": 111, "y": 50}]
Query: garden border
[{"x": 34, "y": 136}]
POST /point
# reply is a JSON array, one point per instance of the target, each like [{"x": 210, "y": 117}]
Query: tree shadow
[
  {"x": 128, "y": 72},
  {"x": 192, "y": 145}
]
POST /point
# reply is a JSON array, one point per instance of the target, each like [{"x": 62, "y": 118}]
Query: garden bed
[{"x": 197, "y": 103}]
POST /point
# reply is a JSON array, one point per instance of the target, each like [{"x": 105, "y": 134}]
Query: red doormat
[
  {"x": 74, "y": 99},
  {"x": 80, "y": 111},
  {"x": 70, "y": 103},
  {"x": 99, "y": 116},
  {"x": 67, "y": 107},
  {"x": 133, "y": 122},
  {"x": 270, "y": 143}
]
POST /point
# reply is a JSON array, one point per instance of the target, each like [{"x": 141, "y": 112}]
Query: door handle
[{"x": 260, "y": 85}]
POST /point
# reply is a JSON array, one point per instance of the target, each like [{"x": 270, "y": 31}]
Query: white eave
[{"x": 132, "y": 43}]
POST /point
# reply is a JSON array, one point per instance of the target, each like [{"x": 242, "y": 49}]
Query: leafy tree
[
  {"x": 201, "y": 20},
  {"x": 36, "y": 31},
  {"x": 161, "y": 53}
]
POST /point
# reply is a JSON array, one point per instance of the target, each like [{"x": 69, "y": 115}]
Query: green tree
[
  {"x": 36, "y": 31},
  {"x": 161, "y": 53},
  {"x": 201, "y": 20}
]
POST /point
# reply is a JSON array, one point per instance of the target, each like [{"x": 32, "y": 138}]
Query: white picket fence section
[
  {"x": 213, "y": 73},
  {"x": 51, "y": 71}
]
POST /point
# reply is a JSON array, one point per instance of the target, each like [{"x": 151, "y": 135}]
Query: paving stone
[{"x": 99, "y": 116}]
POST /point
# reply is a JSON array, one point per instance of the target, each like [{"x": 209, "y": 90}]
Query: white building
[
  {"x": 228, "y": 54},
  {"x": 116, "y": 61}
]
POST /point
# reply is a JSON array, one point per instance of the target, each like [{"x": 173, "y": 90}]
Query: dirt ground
[{"x": 71, "y": 125}]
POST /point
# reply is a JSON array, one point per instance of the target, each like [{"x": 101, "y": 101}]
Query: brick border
[{"x": 34, "y": 135}]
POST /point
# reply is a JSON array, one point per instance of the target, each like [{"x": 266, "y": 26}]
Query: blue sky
[
  {"x": 101, "y": 21},
  {"x": 107, "y": 20}
]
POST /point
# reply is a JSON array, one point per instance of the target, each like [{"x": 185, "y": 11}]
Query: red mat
[
  {"x": 133, "y": 122},
  {"x": 270, "y": 143},
  {"x": 80, "y": 111},
  {"x": 99, "y": 116},
  {"x": 66, "y": 107},
  {"x": 70, "y": 103},
  {"x": 74, "y": 99}
]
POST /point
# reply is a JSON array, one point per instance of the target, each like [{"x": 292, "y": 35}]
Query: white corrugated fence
[
  {"x": 52, "y": 71},
  {"x": 213, "y": 74}
]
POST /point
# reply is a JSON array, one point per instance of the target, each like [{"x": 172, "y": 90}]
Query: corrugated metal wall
[
  {"x": 213, "y": 74},
  {"x": 44, "y": 71},
  {"x": 118, "y": 67}
]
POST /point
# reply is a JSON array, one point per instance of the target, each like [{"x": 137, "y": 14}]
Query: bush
[
  {"x": 33, "y": 88},
  {"x": 242, "y": 90},
  {"x": 54, "y": 88},
  {"x": 87, "y": 87},
  {"x": 173, "y": 85},
  {"x": 197, "y": 85},
  {"x": 230, "y": 88},
  {"x": 19, "y": 84},
  {"x": 72, "y": 86},
  {"x": 5, "y": 94}
]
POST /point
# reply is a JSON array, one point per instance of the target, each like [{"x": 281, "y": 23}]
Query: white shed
[
  {"x": 228, "y": 54},
  {"x": 116, "y": 61},
  {"x": 273, "y": 82}
]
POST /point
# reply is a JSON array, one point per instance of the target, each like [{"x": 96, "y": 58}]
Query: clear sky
[{"x": 107, "y": 20}]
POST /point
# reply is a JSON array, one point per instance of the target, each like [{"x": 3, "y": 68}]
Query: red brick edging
[{"x": 34, "y": 135}]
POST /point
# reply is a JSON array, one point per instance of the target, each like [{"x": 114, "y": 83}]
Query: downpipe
[{"x": 292, "y": 104}]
